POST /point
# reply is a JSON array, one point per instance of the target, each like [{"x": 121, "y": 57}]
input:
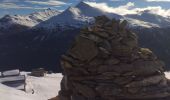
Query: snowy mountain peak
[
  {"x": 72, "y": 11},
  {"x": 88, "y": 10},
  {"x": 7, "y": 16},
  {"x": 82, "y": 4},
  {"x": 26, "y": 20},
  {"x": 78, "y": 16}
]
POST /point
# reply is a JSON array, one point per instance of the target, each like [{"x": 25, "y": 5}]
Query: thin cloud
[
  {"x": 48, "y": 2},
  {"x": 15, "y": 6},
  {"x": 130, "y": 8},
  {"x": 5, "y": 1},
  {"x": 155, "y": 10},
  {"x": 122, "y": 10}
]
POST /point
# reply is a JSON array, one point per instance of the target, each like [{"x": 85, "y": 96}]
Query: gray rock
[
  {"x": 122, "y": 50},
  {"x": 84, "y": 90},
  {"x": 108, "y": 90},
  {"x": 66, "y": 64},
  {"x": 84, "y": 49},
  {"x": 95, "y": 38},
  {"x": 153, "y": 80},
  {"x": 144, "y": 68},
  {"x": 129, "y": 42},
  {"x": 112, "y": 61},
  {"x": 123, "y": 24},
  {"x": 104, "y": 35}
]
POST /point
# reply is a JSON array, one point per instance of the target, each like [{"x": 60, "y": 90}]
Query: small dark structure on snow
[{"x": 39, "y": 72}]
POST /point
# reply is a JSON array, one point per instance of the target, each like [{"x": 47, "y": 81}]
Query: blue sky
[{"x": 28, "y": 6}]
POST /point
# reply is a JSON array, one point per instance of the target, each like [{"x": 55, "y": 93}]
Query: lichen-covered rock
[{"x": 106, "y": 63}]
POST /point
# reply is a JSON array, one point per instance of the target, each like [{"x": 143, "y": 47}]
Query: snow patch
[{"x": 44, "y": 88}]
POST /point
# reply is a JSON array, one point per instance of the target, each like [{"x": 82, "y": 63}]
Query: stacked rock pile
[{"x": 105, "y": 63}]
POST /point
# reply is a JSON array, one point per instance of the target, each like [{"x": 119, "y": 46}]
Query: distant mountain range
[
  {"x": 78, "y": 16},
  {"x": 83, "y": 14},
  {"x": 39, "y": 39},
  {"x": 150, "y": 19},
  {"x": 18, "y": 23}
]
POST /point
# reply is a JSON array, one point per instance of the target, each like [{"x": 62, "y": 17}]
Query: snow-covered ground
[
  {"x": 44, "y": 88},
  {"x": 167, "y": 74}
]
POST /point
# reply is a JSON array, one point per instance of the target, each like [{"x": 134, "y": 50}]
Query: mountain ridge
[
  {"x": 10, "y": 23},
  {"x": 80, "y": 15}
]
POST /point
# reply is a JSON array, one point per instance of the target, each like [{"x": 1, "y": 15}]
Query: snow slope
[
  {"x": 7, "y": 93},
  {"x": 27, "y": 20},
  {"x": 135, "y": 23},
  {"x": 44, "y": 88},
  {"x": 147, "y": 19},
  {"x": 78, "y": 16},
  {"x": 71, "y": 17}
]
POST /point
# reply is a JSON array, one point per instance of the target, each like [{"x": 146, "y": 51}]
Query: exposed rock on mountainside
[{"x": 106, "y": 63}]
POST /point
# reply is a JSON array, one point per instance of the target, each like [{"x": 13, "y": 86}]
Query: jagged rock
[
  {"x": 112, "y": 61},
  {"x": 129, "y": 42},
  {"x": 66, "y": 64},
  {"x": 71, "y": 60},
  {"x": 123, "y": 80},
  {"x": 122, "y": 50},
  {"x": 102, "y": 34},
  {"x": 101, "y": 20},
  {"x": 153, "y": 80},
  {"x": 105, "y": 63},
  {"x": 94, "y": 38},
  {"x": 144, "y": 68},
  {"x": 84, "y": 49},
  {"x": 96, "y": 62},
  {"x": 145, "y": 53},
  {"x": 123, "y": 23},
  {"x": 106, "y": 90},
  {"x": 85, "y": 90},
  {"x": 111, "y": 74}
]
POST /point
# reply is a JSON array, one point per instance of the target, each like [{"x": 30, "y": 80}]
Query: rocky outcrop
[{"x": 105, "y": 63}]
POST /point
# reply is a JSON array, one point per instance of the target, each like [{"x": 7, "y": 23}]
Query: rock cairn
[{"x": 105, "y": 63}]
